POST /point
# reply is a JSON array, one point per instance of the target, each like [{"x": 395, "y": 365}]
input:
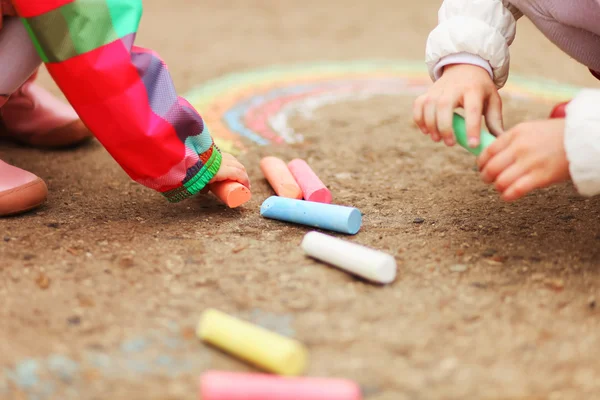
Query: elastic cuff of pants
[{"x": 198, "y": 181}]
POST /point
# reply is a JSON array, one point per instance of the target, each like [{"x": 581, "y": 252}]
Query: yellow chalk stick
[{"x": 256, "y": 345}]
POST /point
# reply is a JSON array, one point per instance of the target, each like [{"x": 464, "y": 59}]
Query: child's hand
[
  {"x": 527, "y": 157},
  {"x": 231, "y": 170},
  {"x": 461, "y": 85}
]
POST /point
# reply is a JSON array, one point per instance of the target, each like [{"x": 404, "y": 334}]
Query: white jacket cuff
[
  {"x": 582, "y": 141},
  {"x": 484, "y": 28},
  {"x": 461, "y": 58}
]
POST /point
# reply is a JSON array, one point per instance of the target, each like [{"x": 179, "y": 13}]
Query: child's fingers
[
  {"x": 521, "y": 187},
  {"x": 492, "y": 150},
  {"x": 493, "y": 115},
  {"x": 430, "y": 119},
  {"x": 231, "y": 166},
  {"x": 473, "y": 105},
  {"x": 236, "y": 164},
  {"x": 497, "y": 165},
  {"x": 229, "y": 173},
  {"x": 445, "y": 114},
  {"x": 418, "y": 113},
  {"x": 509, "y": 176}
]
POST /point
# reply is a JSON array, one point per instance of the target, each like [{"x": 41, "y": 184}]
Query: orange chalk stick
[
  {"x": 280, "y": 178},
  {"x": 233, "y": 194}
]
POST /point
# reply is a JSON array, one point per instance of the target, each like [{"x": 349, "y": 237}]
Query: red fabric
[
  {"x": 119, "y": 104},
  {"x": 156, "y": 136},
  {"x": 33, "y": 8}
]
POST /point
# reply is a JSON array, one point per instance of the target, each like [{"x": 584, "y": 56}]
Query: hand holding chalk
[
  {"x": 460, "y": 132},
  {"x": 233, "y": 194}
]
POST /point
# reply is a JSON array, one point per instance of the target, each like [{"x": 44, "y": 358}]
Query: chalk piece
[
  {"x": 215, "y": 385},
  {"x": 368, "y": 263},
  {"x": 280, "y": 178},
  {"x": 312, "y": 187},
  {"x": 256, "y": 345},
  {"x": 318, "y": 215},
  {"x": 460, "y": 132},
  {"x": 233, "y": 194}
]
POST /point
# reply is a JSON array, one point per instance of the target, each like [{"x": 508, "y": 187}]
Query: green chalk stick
[{"x": 460, "y": 132}]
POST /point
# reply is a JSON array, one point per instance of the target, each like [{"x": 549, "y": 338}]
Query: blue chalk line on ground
[{"x": 156, "y": 353}]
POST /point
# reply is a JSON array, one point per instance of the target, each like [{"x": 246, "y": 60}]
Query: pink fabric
[
  {"x": 573, "y": 25},
  {"x": 18, "y": 56}
]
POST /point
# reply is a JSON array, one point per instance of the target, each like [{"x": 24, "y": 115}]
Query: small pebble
[
  {"x": 126, "y": 262},
  {"x": 489, "y": 253},
  {"x": 188, "y": 333},
  {"x": 6, "y": 239},
  {"x": 555, "y": 284},
  {"x": 492, "y": 262},
  {"x": 85, "y": 301},
  {"x": 343, "y": 175},
  {"x": 537, "y": 277},
  {"x": 42, "y": 281},
  {"x": 239, "y": 248},
  {"x": 566, "y": 217},
  {"x": 592, "y": 302},
  {"x": 479, "y": 285},
  {"x": 458, "y": 268},
  {"x": 54, "y": 225},
  {"x": 74, "y": 320},
  {"x": 28, "y": 257},
  {"x": 418, "y": 220}
]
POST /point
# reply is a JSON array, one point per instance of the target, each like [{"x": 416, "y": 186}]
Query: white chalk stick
[{"x": 368, "y": 263}]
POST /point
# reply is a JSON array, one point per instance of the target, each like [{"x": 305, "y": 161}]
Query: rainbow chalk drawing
[
  {"x": 318, "y": 215},
  {"x": 254, "y": 344},
  {"x": 256, "y": 106},
  {"x": 216, "y": 385},
  {"x": 312, "y": 187},
  {"x": 280, "y": 178},
  {"x": 460, "y": 132},
  {"x": 359, "y": 260}
]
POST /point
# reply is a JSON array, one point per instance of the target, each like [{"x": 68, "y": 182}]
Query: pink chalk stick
[
  {"x": 312, "y": 187},
  {"x": 215, "y": 385}
]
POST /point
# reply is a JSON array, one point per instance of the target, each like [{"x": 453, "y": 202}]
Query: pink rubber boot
[
  {"x": 35, "y": 117},
  {"x": 20, "y": 191}
]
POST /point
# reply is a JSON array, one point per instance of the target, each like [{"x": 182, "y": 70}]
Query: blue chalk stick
[{"x": 319, "y": 215}]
